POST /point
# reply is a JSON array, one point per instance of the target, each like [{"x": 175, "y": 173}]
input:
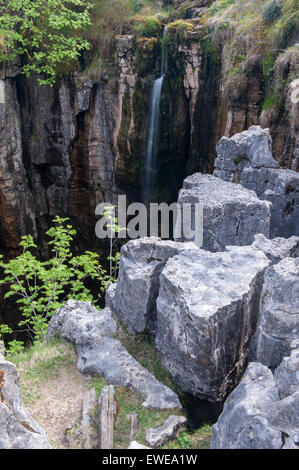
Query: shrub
[
  {"x": 45, "y": 32},
  {"x": 272, "y": 11},
  {"x": 149, "y": 27},
  {"x": 109, "y": 19},
  {"x": 179, "y": 26},
  {"x": 42, "y": 287},
  {"x": 271, "y": 101}
]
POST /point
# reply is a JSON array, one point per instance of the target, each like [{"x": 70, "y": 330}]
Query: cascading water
[{"x": 153, "y": 129}]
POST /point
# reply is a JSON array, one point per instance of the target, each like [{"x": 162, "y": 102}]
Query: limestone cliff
[{"x": 65, "y": 149}]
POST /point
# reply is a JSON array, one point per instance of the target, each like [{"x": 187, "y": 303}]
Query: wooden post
[
  {"x": 89, "y": 405},
  {"x": 134, "y": 420},
  {"x": 106, "y": 407}
]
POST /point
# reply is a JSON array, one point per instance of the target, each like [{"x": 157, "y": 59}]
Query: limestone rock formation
[
  {"x": 277, "y": 249},
  {"x": 263, "y": 411},
  {"x": 232, "y": 215},
  {"x": 287, "y": 374},
  {"x": 250, "y": 148},
  {"x": 206, "y": 313},
  {"x": 156, "y": 437},
  {"x": 18, "y": 430},
  {"x": 136, "y": 291},
  {"x": 99, "y": 352},
  {"x": 243, "y": 422},
  {"x": 278, "y": 325},
  {"x": 246, "y": 158}
]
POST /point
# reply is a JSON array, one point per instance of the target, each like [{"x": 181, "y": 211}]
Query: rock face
[
  {"x": 207, "y": 310},
  {"x": 287, "y": 375},
  {"x": 232, "y": 215},
  {"x": 278, "y": 326},
  {"x": 16, "y": 202},
  {"x": 246, "y": 158},
  {"x": 18, "y": 430},
  {"x": 156, "y": 437},
  {"x": 92, "y": 332},
  {"x": 136, "y": 292},
  {"x": 263, "y": 411}
]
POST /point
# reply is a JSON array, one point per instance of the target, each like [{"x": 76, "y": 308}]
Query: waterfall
[{"x": 153, "y": 129}]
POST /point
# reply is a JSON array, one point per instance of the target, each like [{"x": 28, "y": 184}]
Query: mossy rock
[{"x": 147, "y": 44}]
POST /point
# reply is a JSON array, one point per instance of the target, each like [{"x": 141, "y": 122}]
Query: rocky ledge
[{"x": 99, "y": 352}]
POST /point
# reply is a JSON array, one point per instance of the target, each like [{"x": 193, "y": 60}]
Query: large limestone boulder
[
  {"x": 133, "y": 298},
  {"x": 18, "y": 430},
  {"x": 246, "y": 158},
  {"x": 157, "y": 437},
  {"x": 278, "y": 325},
  {"x": 99, "y": 352},
  {"x": 252, "y": 147},
  {"x": 263, "y": 411},
  {"x": 281, "y": 188},
  {"x": 243, "y": 423},
  {"x": 207, "y": 311},
  {"x": 232, "y": 215}
]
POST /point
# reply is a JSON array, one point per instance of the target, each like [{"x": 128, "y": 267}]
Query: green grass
[
  {"x": 40, "y": 364},
  {"x": 219, "y": 6},
  {"x": 128, "y": 403},
  {"x": 199, "y": 439},
  {"x": 145, "y": 352}
]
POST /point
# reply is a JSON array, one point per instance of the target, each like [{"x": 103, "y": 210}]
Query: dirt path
[{"x": 52, "y": 389}]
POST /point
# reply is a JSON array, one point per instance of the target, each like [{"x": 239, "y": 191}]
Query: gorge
[{"x": 195, "y": 101}]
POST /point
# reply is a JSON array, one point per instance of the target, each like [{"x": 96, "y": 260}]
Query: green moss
[
  {"x": 271, "y": 101},
  {"x": 179, "y": 26}
]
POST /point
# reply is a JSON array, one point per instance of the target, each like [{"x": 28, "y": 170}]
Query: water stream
[{"x": 153, "y": 130}]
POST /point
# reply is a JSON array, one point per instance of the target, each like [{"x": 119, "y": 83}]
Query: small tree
[
  {"x": 113, "y": 231},
  {"x": 42, "y": 287},
  {"x": 46, "y": 32}
]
